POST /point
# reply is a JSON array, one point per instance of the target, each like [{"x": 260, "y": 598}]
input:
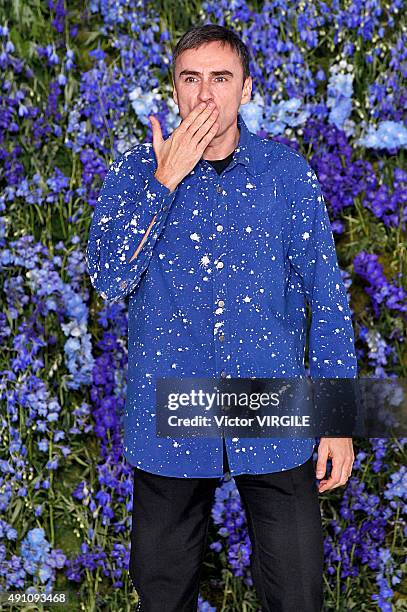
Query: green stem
[
  {"x": 365, "y": 470},
  {"x": 338, "y": 585},
  {"x": 225, "y": 591},
  {"x": 328, "y": 586},
  {"x": 51, "y": 498},
  {"x": 91, "y": 601},
  {"x": 351, "y": 560},
  {"x": 395, "y": 529}
]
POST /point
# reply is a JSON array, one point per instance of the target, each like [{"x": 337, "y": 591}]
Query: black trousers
[{"x": 170, "y": 522}]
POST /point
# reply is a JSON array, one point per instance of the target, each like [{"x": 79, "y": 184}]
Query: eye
[{"x": 190, "y": 77}]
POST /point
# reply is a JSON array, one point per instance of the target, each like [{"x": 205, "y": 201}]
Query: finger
[
  {"x": 321, "y": 461},
  {"x": 331, "y": 480},
  {"x": 204, "y": 129},
  {"x": 157, "y": 133},
  {"x": 346, "y": 472},
  {"x": 343, "y": 466},
  {"x": 322, "y": 486},
  {"x": 326, "y": 485},
  {"x": 195, "y": 112},
  {"x": 203, "y": 122},
  {"x": 202, "y": 144},
  {"x": 334, "y": 478}
]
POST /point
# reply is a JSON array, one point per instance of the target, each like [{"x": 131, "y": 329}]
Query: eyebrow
[{"x": 212, "y": 73}]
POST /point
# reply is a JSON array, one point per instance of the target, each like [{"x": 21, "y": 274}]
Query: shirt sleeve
[
  {"x": 313, "y": 255},
  {"x": 128, "y": 219}
]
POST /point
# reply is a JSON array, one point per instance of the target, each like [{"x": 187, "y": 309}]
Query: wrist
[{"x": 167, "y": 182}]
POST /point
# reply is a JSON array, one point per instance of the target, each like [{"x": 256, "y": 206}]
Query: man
[{"x": 218, "y": 236}]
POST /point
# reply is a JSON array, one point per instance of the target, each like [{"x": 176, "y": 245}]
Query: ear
[
  {"x": 247, "y": 90},
  {"x": 174, "y": 94}
]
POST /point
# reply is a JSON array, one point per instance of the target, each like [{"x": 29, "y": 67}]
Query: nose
[
  {"x": 205, "y": 93},
  {"x": 207, "y": 98}
]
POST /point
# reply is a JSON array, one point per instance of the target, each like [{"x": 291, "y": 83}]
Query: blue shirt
[{"x": 217, "y": 274}]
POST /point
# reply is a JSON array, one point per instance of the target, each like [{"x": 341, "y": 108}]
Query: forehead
[{"x": 212, "y": 55}]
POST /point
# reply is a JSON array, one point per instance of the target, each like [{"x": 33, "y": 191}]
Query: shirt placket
[{"x": 220, "y": 275}]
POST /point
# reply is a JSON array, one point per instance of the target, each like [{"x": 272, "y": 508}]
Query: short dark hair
[{"x": 199, "y": 35}]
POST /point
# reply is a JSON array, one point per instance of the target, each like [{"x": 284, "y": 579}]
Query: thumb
[
  {"x": 321, "y": 463},
  {"x": 156, "y": 128}
]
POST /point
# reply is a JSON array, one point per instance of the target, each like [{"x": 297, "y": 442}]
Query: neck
[{"x": 222, "y": 145}]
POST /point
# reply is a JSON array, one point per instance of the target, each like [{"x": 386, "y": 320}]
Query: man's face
[{"x": 194, "y": 82}]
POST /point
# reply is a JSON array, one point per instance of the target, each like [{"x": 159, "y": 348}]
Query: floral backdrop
[{"x": 78, "y": 81}]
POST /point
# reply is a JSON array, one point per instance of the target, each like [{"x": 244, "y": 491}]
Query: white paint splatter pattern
[{"x": 219, "y": 284}]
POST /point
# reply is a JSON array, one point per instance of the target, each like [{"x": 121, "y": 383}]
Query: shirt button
[
  {"x": 219, "y": 189},
  {"x": 165, "y": 207},
  {"x": 219, "y": 265},
  {"x": 221, "y": 337},
  {"x": 123, "y": 284},
  {"x": 219, "y": 228},
  {"x": 221, "y": 303},
  {"x": 223, "y": 373}
]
